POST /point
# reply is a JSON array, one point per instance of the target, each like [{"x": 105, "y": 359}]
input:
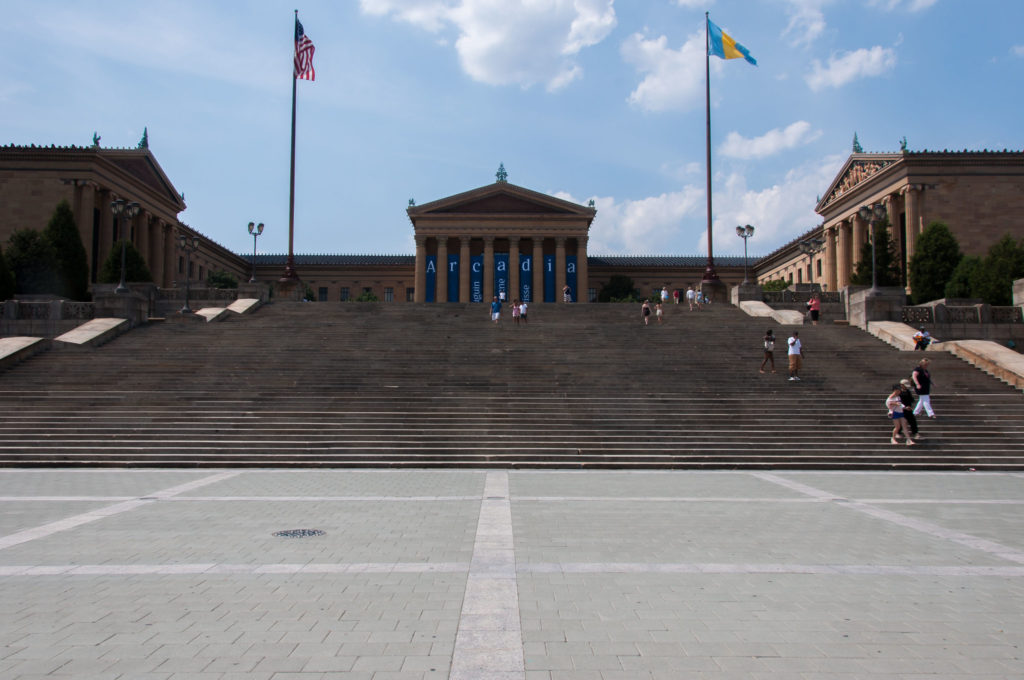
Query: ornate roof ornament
[
  {"x": 903, "y": 144},
  {"x": 96, "y": 139},
  {"x": 501, "y": 174},
  {"x": 857, "y": 148},
  {"x": 144, "y": 142}
]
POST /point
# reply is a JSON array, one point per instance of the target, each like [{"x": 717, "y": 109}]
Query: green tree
[
  {"x": 6, "y": 279},
  {"x": 221, "y": 279},
  {"x": 936, "y": 255},
  {"x": 72, "y": 261},
  {"x": 619, "y": 288},
  {"x": 135, "y": 265},
  {"x": 887, "y": 262},
  {"x": 33, "y": 263},
  {"x": 959, "y": 285},
  {"x": 367, "y": 296},
  {"x": 993, "y": 280},
  {"x": 777, "y": 284}
]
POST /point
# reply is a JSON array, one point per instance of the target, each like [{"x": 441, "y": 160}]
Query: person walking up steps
[
  {"x": 645, "y": 311},
  {"x": 899, "y": 423},
  {"x": 796, "y": 357},
  {"x": 769, "y": 350}
]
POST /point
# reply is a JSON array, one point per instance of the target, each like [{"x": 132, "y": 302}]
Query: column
[
  {"x": 420, "y": 281},
  {"x": 582, "y": 272},
  {"x": 843, "y": 254},
  {"x": 442, "y": 270},
  {"x": 106, "y": 227},
  {"x": 913, "y": 217},
  {"x": 84, "y": 217},
  {"x": 538, "y": 269},
  {"x": 859, "y": 239},
  {"x": 831, "y": 275},
  {"x": 157, "y": 253},
  {"x": 513, "y": 268},
  {"x": 464, "y": 269},
  {"x": 170, "y": 256},
  {"x": 142, "y": 232},
  {"x": 559, "y": 268},
  {"x": 488, "y": 268}
]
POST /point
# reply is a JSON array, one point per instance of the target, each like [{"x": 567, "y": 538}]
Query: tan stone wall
[
  {"x": 979, "y": 210},
  {"x": 29, "y": 201}
]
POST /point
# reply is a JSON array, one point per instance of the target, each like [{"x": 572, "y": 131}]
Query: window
[
  {"x": 200, "y": 272},
  {"x": 410, "y": 294},
  {"x": 321, "y": 294},
  {"x": 191, "y": 269},
  {"x": 389, "y": 295},
  {"x": 819, "y": 269},
  {"x": 181, "y": 264},
  {"x": 800, "y": 275},
  {"x": 344, "y": 294},
  {"x": 591, "y": 294}
]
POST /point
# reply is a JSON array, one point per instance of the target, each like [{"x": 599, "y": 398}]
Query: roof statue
[
  {"x": 590, "y": 203},
  {"x": 903, "y": 144},
  {"x": 857, "y": 148},
  {"x": 96, "y": 139},
  {"x": 412, "y": 202},
  {"x": 501, "y": 174},
  {"x": 144, "y": 142}
]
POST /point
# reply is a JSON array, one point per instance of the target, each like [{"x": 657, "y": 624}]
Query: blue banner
[
  {"x": 476, "y": 278},
  {"x": 570, "y": 278},
  {"x": 549, "y": 278},
  {"x": 431, "y": 277},
  {"x": 526, "y": 278},
  {"x": 453, "y": 277},
  {"x": 501, "y": 274}
]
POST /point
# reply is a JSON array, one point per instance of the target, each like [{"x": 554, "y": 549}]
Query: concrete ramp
[
  {"x": 212, "y": 313},
  {"x": 785, "y": 317},
  {"x": 244, "y": 305},
  {"x": 998, "y": 361},
  {"x": 93, "y": 333},
  {"x": 17, "y": 348}
]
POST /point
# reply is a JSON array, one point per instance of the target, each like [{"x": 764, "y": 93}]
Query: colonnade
[
  {"x": 846, "y": 235},
  {"x": 534, "y": 268}
]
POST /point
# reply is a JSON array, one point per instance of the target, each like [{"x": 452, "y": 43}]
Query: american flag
[{"x": 303, "y": 54}]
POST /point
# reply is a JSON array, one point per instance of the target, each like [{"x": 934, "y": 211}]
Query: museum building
[{"x": 503, "y": 238}]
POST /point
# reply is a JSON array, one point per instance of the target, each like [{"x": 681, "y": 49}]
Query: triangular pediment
[
  {"x": 858, "y": 169},
  {"x": 501, "y": 198}
]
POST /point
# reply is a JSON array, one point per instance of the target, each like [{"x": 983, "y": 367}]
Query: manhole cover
[{"x": 298, "y": 533}]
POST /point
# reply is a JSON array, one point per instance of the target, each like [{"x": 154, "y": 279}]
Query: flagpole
[
  {"x": 289, "y": 269},
  {"x": 709, "y": 271}
]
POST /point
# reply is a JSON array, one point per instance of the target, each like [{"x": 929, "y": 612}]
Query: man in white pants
[{"x": 923, "y": 386}]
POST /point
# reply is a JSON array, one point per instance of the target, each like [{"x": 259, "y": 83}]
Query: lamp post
[
  {"x": 129, "y": 210},
  {"x": 872, "y": 214},
  {"x": 255, "y": 230},
  {"x": 189, "y": 244},
  {"x": 812, "y": 247},
  {"x": 745, "y": 233}
]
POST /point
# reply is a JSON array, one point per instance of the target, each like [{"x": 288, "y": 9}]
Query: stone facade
[{"x": 33, "y": 180}]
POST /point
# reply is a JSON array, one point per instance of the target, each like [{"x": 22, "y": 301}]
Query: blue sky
[{"x": 582, "y": 99}]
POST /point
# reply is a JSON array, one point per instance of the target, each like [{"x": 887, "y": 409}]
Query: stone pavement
[{"x": 510, "y": 575}]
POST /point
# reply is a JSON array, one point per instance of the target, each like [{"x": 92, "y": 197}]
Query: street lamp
[
  {"x": 872, "y": 214},
  {"x": 812, "y": 247},
  {"x": 255, "y": 230},
  {"x": 189, "y": 244},
  {"x": 745, "y": 233},
  {"x": 129, "y": 210}
]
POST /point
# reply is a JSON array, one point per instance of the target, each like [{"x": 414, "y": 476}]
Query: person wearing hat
[{"x": 907, "y": 397}]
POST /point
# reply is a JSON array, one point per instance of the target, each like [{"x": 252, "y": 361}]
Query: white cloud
[
  {"x": 511, "y": 42},
  {"x": 908, "y": 5},
  {"x": 673, "y": 80},
  {"x": 862, "y": 63},
  {"x": 695, "y": 4},
  {"x": 771, "y": 142},
  {"x": 1017, "y": 50},
  {"x": 674, "y": 222},
  {"x": 806, "y": 21}
]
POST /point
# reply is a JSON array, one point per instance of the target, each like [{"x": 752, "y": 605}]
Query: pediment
[
  {"x": 501, "y": 198},
  {"x": 858, "y": 169},
  {"x": 141, "y": 165}
]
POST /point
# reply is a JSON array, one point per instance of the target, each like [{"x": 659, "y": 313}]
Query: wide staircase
[{"x": 349, "y": 384}]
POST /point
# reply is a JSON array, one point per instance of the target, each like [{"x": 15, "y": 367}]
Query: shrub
[
  {"x": 776, "y": 285},
  {"x": 619, "y": 288},
  {"x": 221, "y": 279},
  {"x": 936, "y": 256},
  {"x": 72, "y": 271},
  {"x": 33, "y": 263},
  {"x": 135, "y": 266},
  {"x": 6, "y": 279}
]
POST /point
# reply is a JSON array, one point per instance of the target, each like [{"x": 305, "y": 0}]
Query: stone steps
[{"x": 330, "y": 384}]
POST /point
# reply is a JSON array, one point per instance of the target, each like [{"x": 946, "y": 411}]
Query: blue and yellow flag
[{"x": 721, "y": 44}]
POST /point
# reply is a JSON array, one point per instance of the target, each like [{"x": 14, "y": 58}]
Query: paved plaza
[{"x": 509, "y": 575}]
